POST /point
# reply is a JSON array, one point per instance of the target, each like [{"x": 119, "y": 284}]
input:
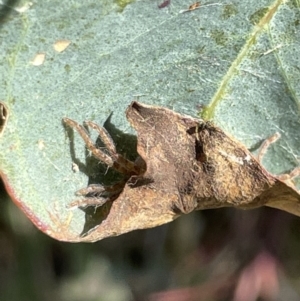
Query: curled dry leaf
[{"x": 185, "y": 164}]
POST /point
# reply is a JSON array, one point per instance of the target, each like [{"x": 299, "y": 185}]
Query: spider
[{"x": 97, "y": 194}]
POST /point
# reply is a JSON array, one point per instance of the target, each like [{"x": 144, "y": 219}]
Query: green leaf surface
[{"x": 239, "y": 60}]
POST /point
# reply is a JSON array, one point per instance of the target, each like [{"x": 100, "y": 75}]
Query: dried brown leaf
[{"x": 186, "y": 164}]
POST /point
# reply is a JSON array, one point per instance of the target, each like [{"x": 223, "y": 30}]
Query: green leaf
[{"x": 239, "y": 60}]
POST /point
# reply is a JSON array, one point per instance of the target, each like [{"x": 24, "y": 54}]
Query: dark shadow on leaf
[
  {"x": 94, "y": 216},
  {"x": 126, "y": 143},
  {"x": 256, "y": 146},
  {"x": 70, "y": 134}
]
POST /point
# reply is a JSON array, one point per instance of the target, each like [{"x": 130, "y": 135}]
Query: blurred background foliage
[{"x": 220, "y": 255}]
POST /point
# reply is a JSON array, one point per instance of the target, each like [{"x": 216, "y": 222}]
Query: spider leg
[
  {"x": 99, "y": 154},
  {"x": 88, "y": 202},
  {"x": 100, "y": 190},
  {"x": 120, "y": 163},
  {"x": 265, "y": 145},
  {"x": 93, "y": 189},
  {"x": 105, "y": 137},
  {"x": 97, "y": 202},
  {"x": 113, "y": 159},
  {"x": 97, "y": 195},
  {"x": 295, "y": 172},
  {"x": 288, "y": 177}
]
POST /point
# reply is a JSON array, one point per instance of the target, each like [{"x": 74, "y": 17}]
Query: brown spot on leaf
[
  {"x": 194, "y": 6},
  {"x": 164, "y": 4}
]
